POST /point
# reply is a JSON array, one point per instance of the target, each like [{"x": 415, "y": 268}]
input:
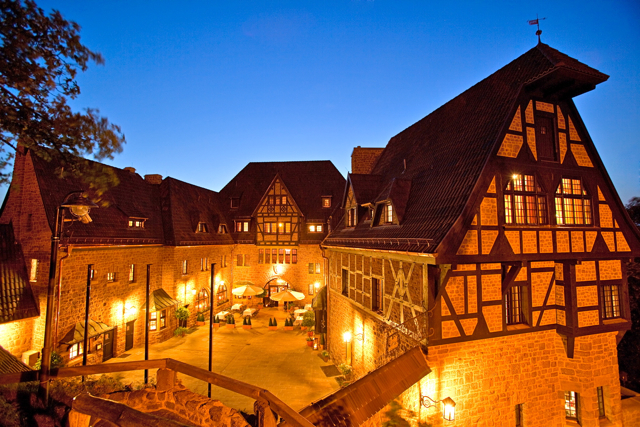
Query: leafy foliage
[
  {"x": 309, "y": 319},
  {"x": 633, "y": 208},
  {"x": 56, "y": 361},
  {"x": 180, "y": 331},
  {"x": 395, "y": 416},
  {"x": 40, "y": 56},
  {"x": 182, "y": 313}
]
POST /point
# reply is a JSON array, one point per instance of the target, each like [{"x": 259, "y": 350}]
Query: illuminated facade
[{"x": 489, "y": 234}]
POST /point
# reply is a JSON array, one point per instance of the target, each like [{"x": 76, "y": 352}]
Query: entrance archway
[{"x": 274, "y": 286}]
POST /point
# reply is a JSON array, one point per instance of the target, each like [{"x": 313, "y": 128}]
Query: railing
[{"x": 264, "y": 397}]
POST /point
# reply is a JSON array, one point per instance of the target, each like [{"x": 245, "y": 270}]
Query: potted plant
[
  {"x": 231, "y": 322},
  {"x": 182, "y": 314},
  {"x": 310, "y": 332},
  {"x": 246, "y": 323},
  {"x": 288, "y": 325},
  {"x": 273, "y": 324},
  {"x": 309, "y": 341},
  {"x": 322, "y": 344},
  {"x": 200, "y": 319},
  {"x": 346, "y": 373},
  {"x": 180, "y": 331},
  {"x": 216, "y": 322},
  {"x": 308, "y": 320},
  {"x": 324, "y": 355}
]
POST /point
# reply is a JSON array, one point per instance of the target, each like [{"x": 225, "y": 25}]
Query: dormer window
[
  {"x": 242, "y": 226},
  {"x": 573, "y": 205},
  {"x": 351, "y": 217},
  {"x": 203, "y": 227},
  {"x": 326, "y": 201},
  {"x": 315, "y": 228},
  {"x": 235, "y": 202},
  {"x": 136, "y": 222},
  {"x": 388, "y": 213},
  {"x": 222, "y": 229}
]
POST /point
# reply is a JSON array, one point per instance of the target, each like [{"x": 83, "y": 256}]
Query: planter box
[
  {"x": 199, "y": 323},
  {"x": 216, "y": 325},
  {"x": 288, "y": 328},
  {"x": 324, "y": 359},
  {"x": 310, "y": 343},
  {"x": 246, "y": 326},
  {"x": 273, "y": 328},
  {"x": 310, "y": 333},
  {"x": 231, "y": 326}
]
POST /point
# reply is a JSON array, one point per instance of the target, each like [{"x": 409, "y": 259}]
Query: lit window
[
  {"x": 294, "y": 256},
  {"x": 185, "y": 265},
  {"x": 571, "y": 405},
  {"x": 280, "y": 256},
  {"x": 315, "y": 228},
  {"x": 284, "y": 228},
  {"x": 92, "y": 274},
  {"x": 524, "y": 201},
  {"x": 111, "y": 277},
  {"x": 351, "y": 217},
  {"x": 611, "y": 300},
  {"x": 311, "y": 288},
  {"x": 388, "y": 213},
  {"x": 136, "y": 223},
  {"x": 223, "y": 261},
  {"x": 317, "y": 268},
  {"x": 204, "y": 264},
  {"x": 132, "y": 272},
  {"x": 163, "y": 319},
  {"x": 601, "y": 412},
  {"x": 260, "y": 256},
  {"x": 242, "y": 260},
  {"x": 202, "y": 302},
  {"x": 513, "y": 306},
  {"x": 270, "y": 228},
  {"x": 242, "y": 226},
  {"x": 75, "y": 350},
  {"x": 221, "y": 295},
  {"x": 203, "y": 227},
  {"x": 312, "y": 269},
  {"x": 326, "y": 202},
  {"x": 274, "y": 256},
  {"x": 153, "y": 321},
  {"x": 222, "y": 229},
  {"x": 33, "y": 273},
  {"x": 284, "y": 200},
  {"x": 573, "y": 205}
]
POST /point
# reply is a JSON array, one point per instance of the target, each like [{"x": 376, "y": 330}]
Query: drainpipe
[
  {"x": 326, "y": 284},
  {"x": 59, "y": 296}
]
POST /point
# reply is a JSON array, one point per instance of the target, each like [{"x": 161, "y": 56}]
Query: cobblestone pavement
[{"x": 279, "y": 361}]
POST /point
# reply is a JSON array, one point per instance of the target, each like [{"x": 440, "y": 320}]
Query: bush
[
  {"x": 200, "y": 317},
  {"x": 180, "y": 331},
  {"x": 309, "y": 319},
  {"x": 56, "y": 361},
  {"x": 216, "y": 320},
  {"x": 9, "y": 414},
  {"x": 345, "y": 369},
  {"x": 182, "y": 314}
]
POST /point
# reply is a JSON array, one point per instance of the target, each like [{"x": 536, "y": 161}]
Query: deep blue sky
[{"x": 201, "y": 88}]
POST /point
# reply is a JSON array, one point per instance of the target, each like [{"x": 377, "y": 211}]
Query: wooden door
[
  {"x": 129, "y": 337},
  {"x": 107, "y": 346}
]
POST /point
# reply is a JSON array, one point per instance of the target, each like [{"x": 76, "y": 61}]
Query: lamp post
[
  {"x": 213, "y": 269},
  {"x": 79, "y": 207}
]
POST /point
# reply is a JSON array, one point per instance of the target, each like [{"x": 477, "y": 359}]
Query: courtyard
[{"x": 279, "y": 361}]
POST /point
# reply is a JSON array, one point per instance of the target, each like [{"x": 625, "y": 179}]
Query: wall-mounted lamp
[
  {"x": 193, "y": 291},
  {"x": 346, "y": 337},
  {"x": 448, "y": 406}
]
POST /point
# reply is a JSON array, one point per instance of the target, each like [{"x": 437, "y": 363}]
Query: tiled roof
[
  {"x": 132, "y": 197},
  {"x": 186, "y": 205},
  {"x": 356, "y": 403},
  {"x": 306, "y": 181},
  {"x": 365, "y": 187},
  {"x": 16, "y": 297},
  {"x": 9, "y": 364},
  {"x": 446, "y": 151}
]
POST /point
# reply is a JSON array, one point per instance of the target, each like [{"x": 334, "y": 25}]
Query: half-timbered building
[{"x": 489, "y": 233}]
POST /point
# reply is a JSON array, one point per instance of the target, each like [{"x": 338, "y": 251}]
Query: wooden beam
[{"x": 511, "y": 275}]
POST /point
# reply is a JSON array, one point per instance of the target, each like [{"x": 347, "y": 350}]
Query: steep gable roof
[
  {"x": 184, "y": 206},
  {"x": 307, "y": 182},
  {"x": 16, "y": 297},
  {"x": 444, "y": 153}
]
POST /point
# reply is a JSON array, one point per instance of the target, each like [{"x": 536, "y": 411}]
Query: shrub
[
  {"x": 248, "y": 320},
  {"x": 309, "y": 319},
  {"x": 275, "y": 322},
  {"x": 182, "y": 314},
  {"x": 56, "y": 361},
  {"x": 180, "y": 331},
  {"x": 216, "y": 320},
  {"x": 345, "y": 369},
  {"x": 200, "y": 317},
  {"x": 9, "y": 414}
]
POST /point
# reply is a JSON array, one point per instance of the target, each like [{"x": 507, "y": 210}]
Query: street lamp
[{"x": 79, "y": 207}]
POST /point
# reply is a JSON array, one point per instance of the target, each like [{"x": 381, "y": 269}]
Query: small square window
[
  {"x": 222, "y": 229},
  {"x": 326, "y": 202},
  {"x": 153, "y": 321},
  {"x": 75, "y": 350},
  {"x": 136, "y": 223},
  {"x": 111, "y": 277},
  {"x": 203, "y": 227}
]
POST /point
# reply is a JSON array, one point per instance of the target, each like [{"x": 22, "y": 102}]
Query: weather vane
[{"x": 537, "y": 22}]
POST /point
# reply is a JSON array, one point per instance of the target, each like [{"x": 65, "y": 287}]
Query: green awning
[
  {"x": 319, "y": 302},
  {"x": 76, "y": 334},
  {"x": 159, "y": 300}
]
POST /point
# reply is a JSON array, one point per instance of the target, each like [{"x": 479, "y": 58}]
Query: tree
[
  {"x": 633, "y": 207},
  {"x": 40, "y": 56}
]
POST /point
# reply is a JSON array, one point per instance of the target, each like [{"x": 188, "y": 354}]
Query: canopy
[
  {"x": 320, "y": 300},
  {"x": 287, "y": 295},
  {"x": 159, "y": 300},
  {"x": 76, "y": 334}
]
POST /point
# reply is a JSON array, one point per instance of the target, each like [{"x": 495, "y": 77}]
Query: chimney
[
  {"x": 364, "y": 159},
  {"x": 153, "y": 179},
  {"x": 130, "y": 169}
]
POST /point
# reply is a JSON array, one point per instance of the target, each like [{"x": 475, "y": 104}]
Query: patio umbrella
[
  {"x": 247, "y": 290},
  {"x": 287, "y": 295}
]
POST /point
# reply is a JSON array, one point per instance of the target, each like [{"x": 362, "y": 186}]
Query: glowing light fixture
[
  {"x": 346, "y": 337},
  {"x": 448, "y": 406},
  {"x": 193, "y": 291}
]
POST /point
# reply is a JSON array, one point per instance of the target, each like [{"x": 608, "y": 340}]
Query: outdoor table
[
  {"x": 236, "y": 307},
  {"x": 298, "y": 321},
  {"x": 248, "y": 312},
  {"x": 300, "y": 311},
  {"x": 307, "y": 307},
  {"x": 222, "y": 315}
]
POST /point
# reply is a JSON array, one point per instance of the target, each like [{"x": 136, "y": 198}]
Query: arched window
[
  {"x": 221, "y": 293},
  {"x": 202, "y": 302},
  {"x": 573, "y": 205},
  {"x": 524, "y": 201}
]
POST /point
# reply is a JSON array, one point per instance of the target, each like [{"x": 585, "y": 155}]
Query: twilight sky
[{"x": 201, "y": 88}]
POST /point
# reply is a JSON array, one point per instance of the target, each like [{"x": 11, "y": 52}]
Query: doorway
[
  {"x": 107, "y": 346},
  {"x": 128, "y": 345},
  {"x": 274, "y": 286}
]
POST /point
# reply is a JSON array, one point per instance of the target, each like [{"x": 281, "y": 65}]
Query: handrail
[{"x": 246, "y": 389}]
